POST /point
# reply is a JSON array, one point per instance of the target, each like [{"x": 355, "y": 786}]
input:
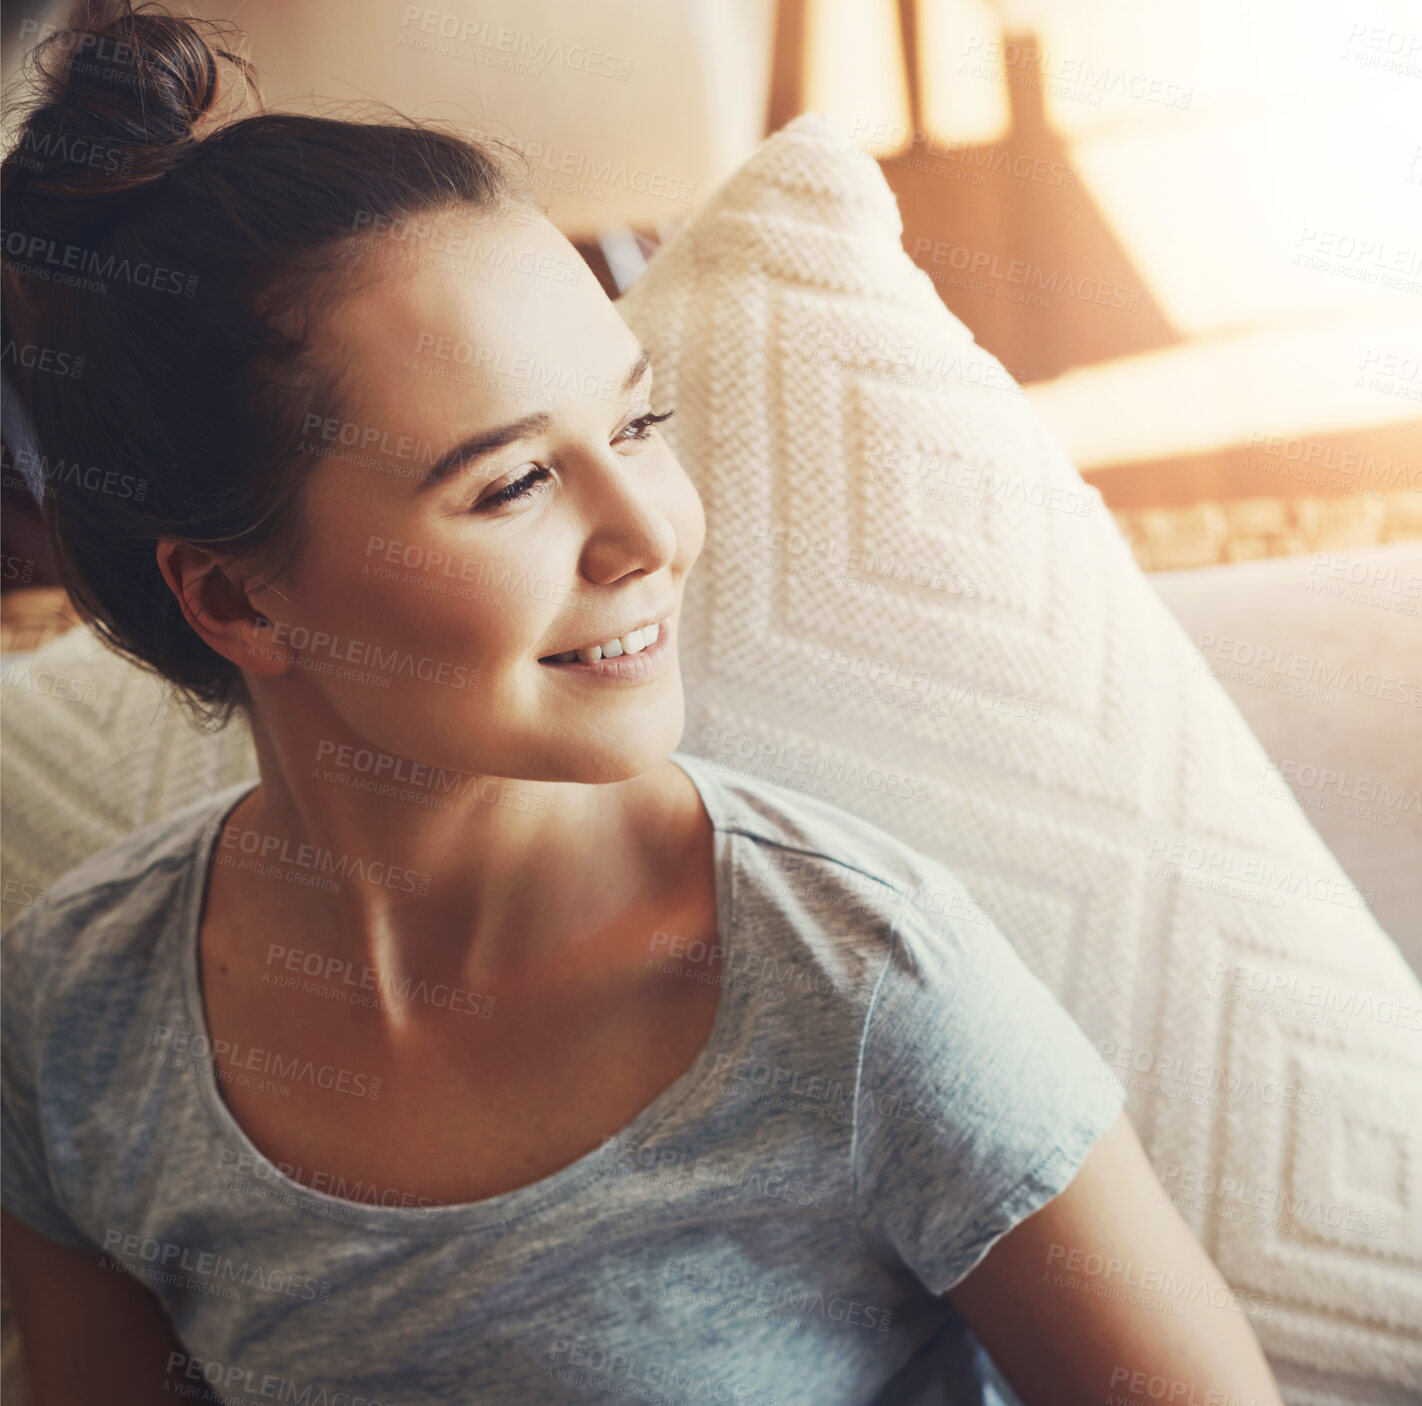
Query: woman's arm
[
  {"x": 86, "y": 1333},
  {"x": 1051, "y": 1301}
]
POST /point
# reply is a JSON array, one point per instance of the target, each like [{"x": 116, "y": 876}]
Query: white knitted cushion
[
  {"x": 910, "y": 603},
  {"x": 93, "y": 748}
]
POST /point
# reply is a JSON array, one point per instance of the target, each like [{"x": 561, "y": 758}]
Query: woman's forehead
[{"x": 499, "y": 306}]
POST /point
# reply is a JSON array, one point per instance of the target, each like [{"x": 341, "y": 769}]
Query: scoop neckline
[{"x": 507, "y": 1206}]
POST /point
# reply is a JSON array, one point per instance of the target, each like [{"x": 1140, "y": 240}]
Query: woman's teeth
[{"x": 633, "y": 643}]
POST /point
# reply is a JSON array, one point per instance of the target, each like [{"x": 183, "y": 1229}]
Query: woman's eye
[
  {"x": 642, "y": 425},
  {"x": 519, "y": 488},
  {"x": 640, "y": 428}
]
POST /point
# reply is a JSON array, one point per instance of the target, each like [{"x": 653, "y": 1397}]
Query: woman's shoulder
[
  {"x": 805, "y": 840},
  {"x": 118, "y": 904}
]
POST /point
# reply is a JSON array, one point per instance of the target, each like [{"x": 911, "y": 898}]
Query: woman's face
[{"x": 435, "y": 580}]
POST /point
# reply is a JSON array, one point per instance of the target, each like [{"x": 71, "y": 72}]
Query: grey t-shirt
[{"x": 886, "y": 1091}]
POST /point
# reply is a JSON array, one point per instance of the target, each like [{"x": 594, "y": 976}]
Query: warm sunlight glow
[
  {"x": 855, "y": 70},
  {"x": 1248, "y": 217},
  {"x": 961, "y": 51},
  {"x": 1259, "y": 162},
  {"x": 1291, "y": 381}
]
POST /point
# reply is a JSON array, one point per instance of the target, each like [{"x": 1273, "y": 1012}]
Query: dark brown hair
[{"x": 185, "y": 274}]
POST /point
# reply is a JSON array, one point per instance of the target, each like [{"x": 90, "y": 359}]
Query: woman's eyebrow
[
  {"x": 469, "y": 450},
  {"x": 637, "y": 371},
  {"x": 485, "y": 442}
]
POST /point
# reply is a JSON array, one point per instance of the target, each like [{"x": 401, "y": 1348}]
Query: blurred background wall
[{"x": 1194, "y": 232}]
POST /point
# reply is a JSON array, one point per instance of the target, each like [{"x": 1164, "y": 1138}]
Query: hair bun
[{"x": 118, "y": 97}]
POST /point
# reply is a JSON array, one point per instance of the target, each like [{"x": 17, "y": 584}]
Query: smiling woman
[{"x": 487, "y": 1047}]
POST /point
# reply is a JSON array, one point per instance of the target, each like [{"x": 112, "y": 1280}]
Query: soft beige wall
[{"x": 678, "y": 102}]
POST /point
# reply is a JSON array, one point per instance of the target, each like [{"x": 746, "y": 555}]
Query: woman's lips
[
  {"x": 655, "y": 620},
  {"x": 635, "y": 668}
]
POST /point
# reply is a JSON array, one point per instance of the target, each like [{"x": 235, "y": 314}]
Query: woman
[{"x": 487, "y": 1048}]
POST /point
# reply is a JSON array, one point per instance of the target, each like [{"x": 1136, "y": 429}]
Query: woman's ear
[{"x": 217, "y": 605}]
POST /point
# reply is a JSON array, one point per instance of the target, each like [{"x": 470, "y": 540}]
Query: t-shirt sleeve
[
  {"x": 27, "y": 1190},
  {"x": 980, "y": 1096}
]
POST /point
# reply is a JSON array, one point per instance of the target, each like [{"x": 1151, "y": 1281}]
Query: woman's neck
[{"x": 413, "y": 870}]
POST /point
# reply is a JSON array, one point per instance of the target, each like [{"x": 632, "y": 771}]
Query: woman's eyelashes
[
  {"x": 640, "y": 429},
  {"x": 643, "y": 423},
  {"x": 519, "y": 488}
]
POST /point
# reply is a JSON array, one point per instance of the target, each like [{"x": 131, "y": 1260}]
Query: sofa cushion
[{"x": 1342, "y": 627}]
